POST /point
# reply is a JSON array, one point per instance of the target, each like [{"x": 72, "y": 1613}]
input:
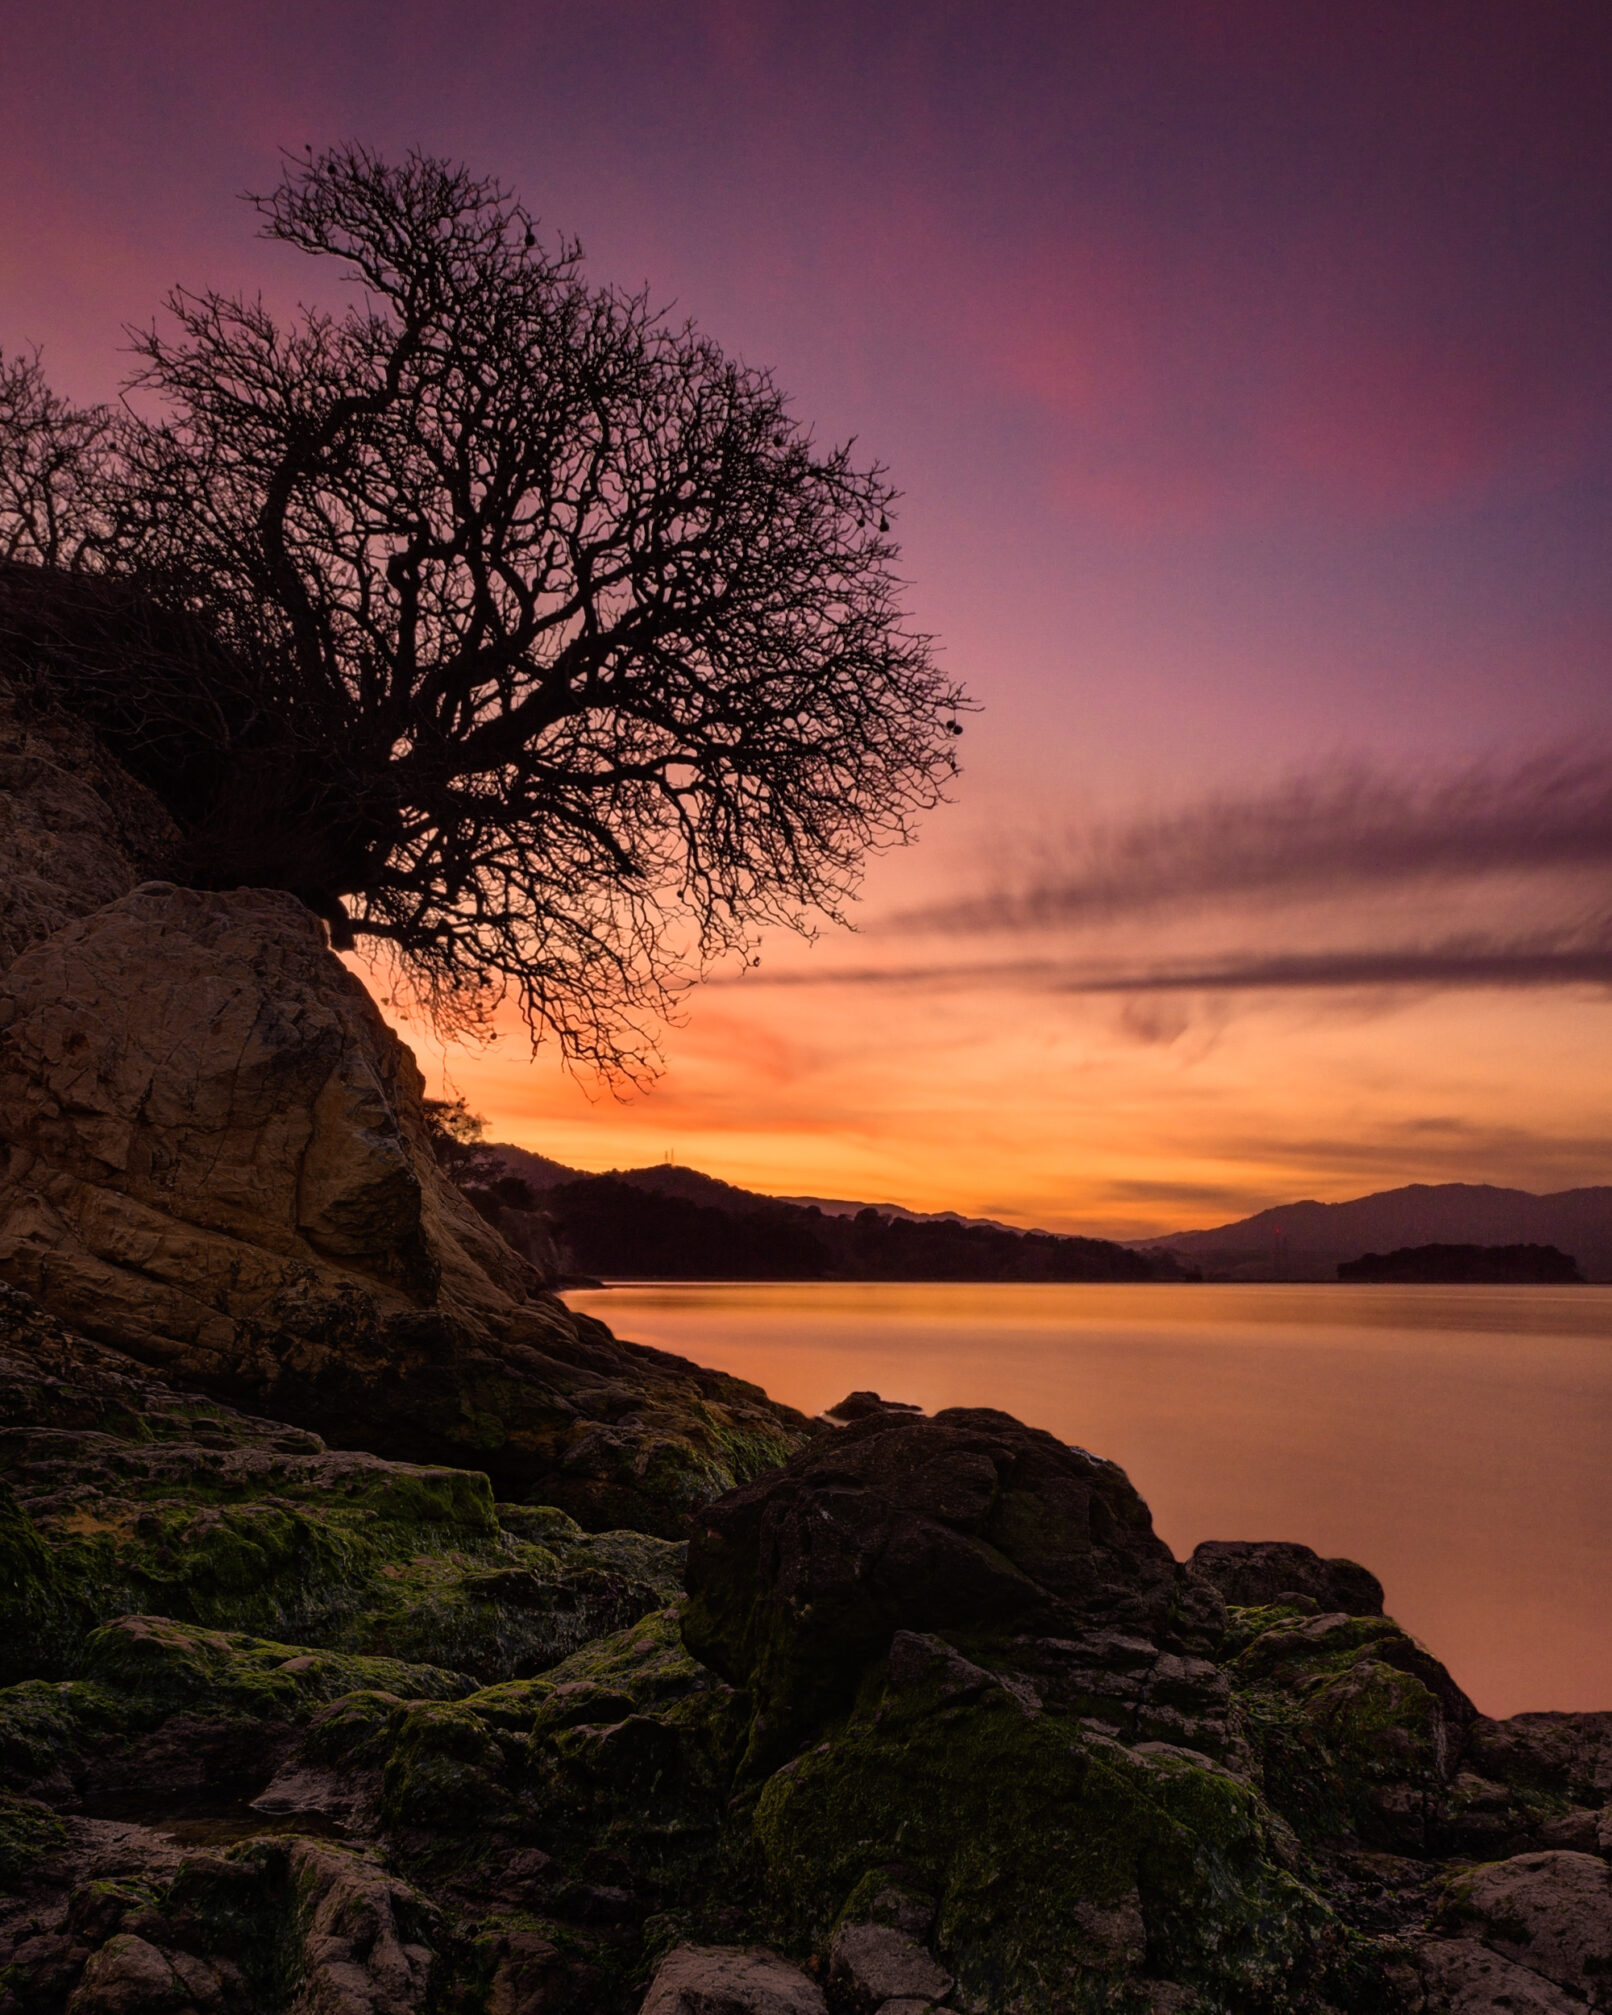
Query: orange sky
[
  {"x": 997, "y": 1094},
  {"x": 1246, "y": 374}
]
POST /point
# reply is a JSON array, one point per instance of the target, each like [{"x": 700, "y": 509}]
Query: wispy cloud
[
  {"x": 1348, "y": 880},
  {"x": 1347, "y": 830}
]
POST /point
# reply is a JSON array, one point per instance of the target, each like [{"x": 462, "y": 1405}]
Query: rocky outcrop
[
  {"x": 299, "y": 1728},
  {"x": 76, "y": 831},
  {"x": 721, "y": 1980},
  {"x": 968, "y": 1522},
  {"x": 214, "y": 1143},
  {"x": 1253, "y": 1572},
  {"x": 213, "y": 1157}
]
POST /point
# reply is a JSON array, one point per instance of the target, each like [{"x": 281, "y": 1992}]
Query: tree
[
  {"x": 55, "y": 470},
  {"x": 552, "y": 651}
]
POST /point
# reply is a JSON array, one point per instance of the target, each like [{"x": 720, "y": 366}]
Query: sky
[{"x": 1245, "y": 371}]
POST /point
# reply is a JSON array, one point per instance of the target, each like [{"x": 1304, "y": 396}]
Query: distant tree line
[
  {"x": 1454, "y": 1265},
  {"x": 614, "y": 1229}
]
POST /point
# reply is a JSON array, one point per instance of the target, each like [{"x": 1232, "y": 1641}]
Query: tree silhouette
[{"x": 527, "y": 632}]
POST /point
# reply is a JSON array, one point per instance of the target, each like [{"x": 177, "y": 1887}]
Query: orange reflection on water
[{"x": 1454, "y": 1439}]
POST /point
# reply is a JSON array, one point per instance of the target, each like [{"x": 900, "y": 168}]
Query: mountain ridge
[
  {"x": 1297, "y": 1240},
  {"x": 1305, "y": 1239}
]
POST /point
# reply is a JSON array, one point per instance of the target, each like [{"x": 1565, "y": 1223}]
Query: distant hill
[
  {"x": 672, "y": 1179},
  {"x": 670, "y": 1223},
  {"x": 1305, "y": 1241}
]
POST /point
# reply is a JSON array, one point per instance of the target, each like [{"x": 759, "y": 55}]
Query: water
[{"x": 1458, "y": 1440}]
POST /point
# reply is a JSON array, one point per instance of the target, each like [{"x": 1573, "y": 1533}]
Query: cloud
[
  {"x": 1457, "y": 962},
  {"x": 1351, "y": 882},
  {"x": 1345, "y": 831}
]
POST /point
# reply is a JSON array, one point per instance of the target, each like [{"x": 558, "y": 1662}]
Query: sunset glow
[{"x": 1245, "y": 374}]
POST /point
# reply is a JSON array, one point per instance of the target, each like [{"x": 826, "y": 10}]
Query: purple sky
[{"x": 1245, "y": 369}]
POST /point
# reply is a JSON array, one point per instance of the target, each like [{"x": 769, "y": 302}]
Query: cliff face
[{"x": 213, "y": 1157}]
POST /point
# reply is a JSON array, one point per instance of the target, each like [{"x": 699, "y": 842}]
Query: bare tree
[
  {"x": 552, "y": 650},
  {"x": 55, "y": 470}
]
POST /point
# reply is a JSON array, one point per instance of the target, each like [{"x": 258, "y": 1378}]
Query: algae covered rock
[
  {"x": 968, "y": 1521},
  {"x": 938, "y": 1724},
  {"x": 1358, "y": 1729}
]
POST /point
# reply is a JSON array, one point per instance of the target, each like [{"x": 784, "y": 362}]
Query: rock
[
  {"x": 1550, "y": 1913},
  {"x": 220, "y": 1518},
  {"x": 363, "y": 1934},
  {"x": 1568, "y": 1754},
  {"x": 1253, "y": 1573},
  {"x": 872, "y": 1964},
  {"x": 213, "y": 1141},
  {"x": 728, "y": 1980},
  {"x": 213, "y": 1157},
  {"x": 1359, "y": 1729},
  {"x": 76, "y": 831},
  {"x": 860, "y": 1405},
  {"x": 1578, "y": 1829},
  {"x": 969, "y": 1520},
  {"x": 1465, "y": 1979},
  {"x": 129, "y": 1977}
]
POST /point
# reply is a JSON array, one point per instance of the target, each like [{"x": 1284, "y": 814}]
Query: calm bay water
[{"x": 1457, "y": 1440}]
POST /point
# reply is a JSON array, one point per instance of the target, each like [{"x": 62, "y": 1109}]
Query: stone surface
[
  {"x": 965, "y": 1521},
  {"x": 871, "y": 1964},
  {"x": 725, "y": 1980},
  {"x": 75, "y": 830},
  {"x": 1252, "y": 1573},
  {"x": 311, "y": 1731},
  {"x": 1462, "y": 1978},
  {"x": 1565, "y": 1753},
  {"x": 1550, "y": 1913},
  {"x": 213, "y": 1157},
  {"x": 214, "y": 1142}
]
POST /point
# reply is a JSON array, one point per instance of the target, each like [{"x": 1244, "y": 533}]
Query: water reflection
[{"x": 1456, "y": 1440}]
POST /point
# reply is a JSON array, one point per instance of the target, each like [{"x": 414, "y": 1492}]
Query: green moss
[
  {"x": 648, "y": 1662},
  {"x": 1348, "y": 1717},
  {"x": 544, "y": 1523},
  {"x": 448, "y": 1772},
  {"x": 44, "y": 1723},
  {"x": 353, "y": 1730},
  {"x": 241, "y": 1904},
  {"x": 29, "y": 1832},
  {"x": 166, "y": 1666},
  {"x": 41, "y": 1617},
  {"x": 1041, "y": 1844}
]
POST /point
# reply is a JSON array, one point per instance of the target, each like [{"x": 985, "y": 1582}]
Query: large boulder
[
  {"x": 213, "y": 1157},
  {"x": 726, "y": 1980},
  {"x": 76, "y": 831},
  {"x": 1549, "y": 1913},
  {"x": 215, "y": 1153},
  {"x": 968, "y": 1522},
  {"x": 1255, "y": 1572}
]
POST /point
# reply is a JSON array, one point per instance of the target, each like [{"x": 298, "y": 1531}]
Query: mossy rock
[
  {"x": 41, "y": 1617},
  {"x": 450, "y": 1771},
  {"x": 163, "y": 1667},
  {"x": 45, "y": 1724},
  {"x": 1063, "y": 1865},
  {"x": 29, "y": 1832},
  {"x": 1357, "y": 1727}
]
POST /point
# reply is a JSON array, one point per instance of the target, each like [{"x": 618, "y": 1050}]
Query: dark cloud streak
[
  {"x": 1352, "y": 830},
  {"x": 1465, "y": 962}
]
